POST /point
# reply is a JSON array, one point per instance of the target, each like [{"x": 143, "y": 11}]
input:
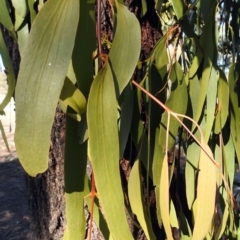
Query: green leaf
[
  {"x": 126, "y": 46},
  {"x": 173, "y": 216},
  {"x": 211, "y": 102},
  {"x": 32, "y": 10},
  {"x": 223, "y": 102},
  {"x": 206, "y": 193},
  {"x": 11, "y": 77},
  {"x": 104, "y": 151},
  {"x": 4, "y": 136},
  {"x": 164, "y": 198},
  {"x": 21, "y": 7},
  {"x": 75, "y": 161},
  {"x": 72, "y": 96},
  {"x": 207, "y": 42},
  {"x": 160, "y": 53},
  {"x": 126, "y": 117},
  {"x": 23, "y": 34},
  {"x": 137, "y": 201},
  {"x": 178, "y": 7},
  {"x": 5, "y": 18},
  {"x": 42, "y": 72},
  {"x": 85, "y": 44},
  {"x": 178, "y": 91},
  {"x": 234, "y": 109},
  {"x": 184, "y": 226},
  {"x": 143, "y": 7},
  {"x": 191, "y": 171}
]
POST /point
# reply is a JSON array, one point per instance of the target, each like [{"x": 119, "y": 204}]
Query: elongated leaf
[
  {"x": 206, "y": 191},
  {"x": 104, "y": 151},
  {"x": 4, "y": 136},
  {"x": 234, "y": 109},
  {"x": 32, "y": 10},
  {"x": 5, "y": 18},
  {"x": 75, "y": 161},
  {"x": 164, "y": 199},
  {"x": 173, "y": 216},
  {"x": 21, "y": 7},
  {"x": 42, "y": 72},
  {"x": 11, "y": 77},
  {"x": 179, "y": 91},
  {"x": 207, "y": 40},
  {"x": 126, "y": 117},
  {"x": 184, "y": 226},
  {"x": 126, "y": 46},
  {"x": 178, "y": 6},
  {"x": 191, "y": 171},
  {"x": 137, "y": 201},
  {"x": 211, "y": 102},
  {"x": 23, "y": 34},
  {"x": 160, "y": 53},
  {"x": 223, "y": 102},
  {"x": 85, "y": 44},
  {"x": 73, "y": 97}
]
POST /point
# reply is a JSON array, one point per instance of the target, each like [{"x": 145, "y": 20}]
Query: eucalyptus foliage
[{"x": 190, "y": 92}]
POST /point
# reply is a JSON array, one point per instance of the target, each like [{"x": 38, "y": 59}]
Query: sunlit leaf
[
  {"x": 137, "y": 201},
  {"x": 104, "y": 151},
  {"x": 84, "y": 46},
  {"x": 223, "y": 102},
  {"x": 4, "y": 136},
  {"x": 75, "y": 161},
  {"x": 178, "y": 6},
  {"x": 42, "y": 72},
  {"x": 234, "y": 109},
  {"x": 126, "y": 46},
  {"x": 173, "y": 216},
  {"x": 5, "y": 18},
  {"x": 10, "y": 76},
  {"x": 211, "y": 102},
  {"x": 126, "y": 117},
  {"x": 164, "y": 199},
  {"x": 206, "y": 191},
  {"x": 73, "y": 97}
]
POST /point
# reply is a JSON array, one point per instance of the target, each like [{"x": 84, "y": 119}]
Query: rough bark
[{"x": 47, "y": 203}]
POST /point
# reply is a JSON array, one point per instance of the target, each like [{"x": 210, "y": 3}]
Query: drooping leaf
[
  {"x": 42, "y": 72},
  {"x": 126, "y": 46},
  {"x": 173, "y": 216},
  {"x": 5, "y": 18},
  {"x": 223, "y": 102},
  {"x": 211, "y": 102},
  {"x": 75, "y": 161},
  {"x": 143, "y": 7},
  {"x": 164, "y": 199},
  {"x": 32, "y": 10},
  {"x": 72, "y": 96},
  {"x": 178, "y": 91},
  {"x": 10, "y": 76},
  {"x": 126, "y": 117},
  {"x": 191, "y": 171},
  {"x": 23, "y": 34},
  {"x": 178, "y": 7},
  {"x": 208, "y": 41},
  {"x": 4, "y": 136},
  {"x": 85, "y": 44},
  {"x": 234, "y": 109},
  {"x": 104, "y": 151},
  {"x": 21, "y": 7},
  {"x": 137, "y": 201},
  {"x": 206, "y": 192}
]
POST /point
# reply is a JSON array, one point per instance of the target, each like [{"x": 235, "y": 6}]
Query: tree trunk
[{"x": 47, "y": 203}]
